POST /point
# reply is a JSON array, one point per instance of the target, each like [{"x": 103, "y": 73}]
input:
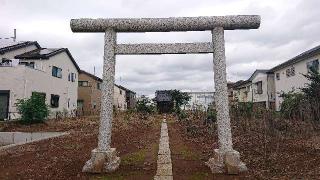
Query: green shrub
[
  {"x": 182, "y": 115},
  {"x": 145, "y": 105},
  {"x": 211, "y": 116},
  {"x": 291, "y": 104},
  {"x": 33, "y": 110}
]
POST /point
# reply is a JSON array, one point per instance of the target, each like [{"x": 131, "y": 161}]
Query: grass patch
[
  {"x": 199, "y": 175},
  {"x": 116, "y": 176},
  {"x": 187, "y": 154},
  {"x": 135, "y": 158}
]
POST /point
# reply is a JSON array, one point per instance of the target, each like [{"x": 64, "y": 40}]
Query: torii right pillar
[{"x": 225, "y": 159}]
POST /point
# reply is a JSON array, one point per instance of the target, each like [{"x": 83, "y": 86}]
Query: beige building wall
[{"x": 89, "y": 95}]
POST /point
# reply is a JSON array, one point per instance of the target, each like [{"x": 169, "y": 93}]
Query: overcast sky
[{"x": 288, "y": 27}]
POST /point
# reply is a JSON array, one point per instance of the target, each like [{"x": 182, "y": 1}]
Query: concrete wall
[
  {"x": 22, "y": 81},
  {"x": 286, "y": 84},
  {"x": 200, "y": 99}
]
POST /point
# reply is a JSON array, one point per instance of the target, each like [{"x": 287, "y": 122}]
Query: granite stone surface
[
  {"x": 104, "y": 139},
  {"x": 164, "y": 163},
  {"x": 221, "y": 96},
  {"x": 201, "y": 23},
  {"x": 164, "y": 48}
]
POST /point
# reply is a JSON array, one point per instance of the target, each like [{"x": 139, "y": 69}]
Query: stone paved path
[{"x": 164, "y": 164}]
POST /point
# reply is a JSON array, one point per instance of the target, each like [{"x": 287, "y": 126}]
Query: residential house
[
  {"x": 200, "y": 100},
  {"x": 89, "y": 95},
  {"x": 289, "y": 75},
  {"x": 242, "y": 91},
  {"x": 120, "y": 98},
  {"x": 230, "y": 92},
  {"x": 130, "y": 98},
  {"x": 259, "y": 89},
  {"x": 263, "y": 88},
  {"x": 9, "y": 50},
  {"x": 27, "y": 68}
]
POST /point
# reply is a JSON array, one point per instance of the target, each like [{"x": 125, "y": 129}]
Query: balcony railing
[{"x": 6, "y": 64}]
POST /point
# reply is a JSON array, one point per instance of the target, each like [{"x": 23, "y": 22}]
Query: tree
[
  {"x": 179, "y": 98},
  {"x": 33, "y": 110},
  {"x": 312, "y": 92}
]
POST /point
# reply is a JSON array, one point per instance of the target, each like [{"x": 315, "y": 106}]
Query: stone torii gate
[{"x": 104, "y": 158}]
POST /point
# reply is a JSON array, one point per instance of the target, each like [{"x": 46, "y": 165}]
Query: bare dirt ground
[{"x": 136, "y": 140}]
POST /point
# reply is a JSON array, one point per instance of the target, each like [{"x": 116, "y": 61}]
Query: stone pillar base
[
  {"x": 226, "y": 162},
  {"x": 102, "y": 161}
]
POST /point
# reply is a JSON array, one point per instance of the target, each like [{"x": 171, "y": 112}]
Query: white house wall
[{"x": 286, "y": 84}]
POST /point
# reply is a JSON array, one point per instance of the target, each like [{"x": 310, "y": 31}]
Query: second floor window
[
  {"x": 72, "y": 77},
  {"x": 313, "y": 65},
  {"x": 290, "y": 72},
  {"x": 259, "y": 87},
  {"x": 278, "y": 76},
  {"x": 56, "y": 72},
  {"x": 99, "y": 86},
  {"x": 83, "y": 83}
]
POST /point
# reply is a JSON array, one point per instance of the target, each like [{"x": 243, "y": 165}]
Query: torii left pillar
[{"x": 104, "y": 158}]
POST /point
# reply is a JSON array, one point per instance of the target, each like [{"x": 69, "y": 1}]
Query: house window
[
  {"x": 54, "y": 100},
  {"x": 80, "y": 103},
  {"x": 290, "y": 72},
  {"x": 259, "y": 87},
  {"x": 278, "y": 76},
  {"x": 56, "y": 72},
  {"x": 248, "y": 88},
  {"x": 120, "y": 92},
  {"x": 83, "y": 83},
  {"x": 94, "y": 105},
  {"x": 293, "y": 71},
  {"x": 99, "y": 86},
  {"x": 28, "y": 64},
  {"x": 313, "y": 65},
  {"x": 72, "y": 77}
]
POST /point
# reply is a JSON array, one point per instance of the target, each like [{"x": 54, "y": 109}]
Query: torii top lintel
[{"x": 202, "y": 23}]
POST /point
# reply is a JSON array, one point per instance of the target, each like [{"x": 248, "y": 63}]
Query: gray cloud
[{"x": 288, "y": 28}]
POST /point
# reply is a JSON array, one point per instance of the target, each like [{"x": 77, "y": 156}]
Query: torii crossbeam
[{"x": 226, "y": 159}]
